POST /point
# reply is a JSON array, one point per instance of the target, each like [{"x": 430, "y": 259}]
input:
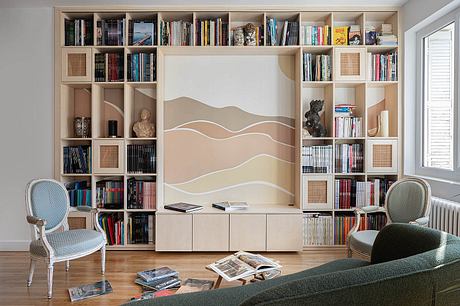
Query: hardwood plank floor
[{"x": 121, "y": 270}]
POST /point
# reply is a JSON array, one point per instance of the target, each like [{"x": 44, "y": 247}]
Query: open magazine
[{"x": 243, "y": 264}]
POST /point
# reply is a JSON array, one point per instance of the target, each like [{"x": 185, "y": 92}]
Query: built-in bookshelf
[{"x": 105, "y": 72}]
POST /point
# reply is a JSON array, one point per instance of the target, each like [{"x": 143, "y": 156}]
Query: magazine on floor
[
  {"x": 159, "y": 284},
  {"x": 147, "y": 295},
  {"x": 156, "y": 274},
  {"x": 243, "y": 264},
  {"x": 195, "y": 285},
  {"x": 90, "y": 290}
]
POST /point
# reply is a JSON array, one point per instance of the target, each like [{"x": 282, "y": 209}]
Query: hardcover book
[
  {"x": 90, "y": 290},
  {"x": 160, "y": 284},
  {"x": 183, "y": 207},
  {"x": 341, "y": 36},
  {"x": 354, "y": 35},
  {"x": 156, "y": 274},
  {"x": 228, "y": 206},
  {"x": 143, "y": 33}
]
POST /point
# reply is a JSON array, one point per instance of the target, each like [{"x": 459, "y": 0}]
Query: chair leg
[
  {"x": 67, "y": 265},
  {"x": 349, "y": 253},
  {"x": 103, "y": 260},
  {"x": 31, "y": 272},
  {"x": 50, "y": 280}
]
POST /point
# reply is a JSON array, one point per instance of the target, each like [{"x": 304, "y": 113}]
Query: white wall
[{"x": 26, "y": 115}]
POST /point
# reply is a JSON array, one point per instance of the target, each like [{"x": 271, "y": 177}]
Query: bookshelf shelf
[{"x": 77, "y": 94}]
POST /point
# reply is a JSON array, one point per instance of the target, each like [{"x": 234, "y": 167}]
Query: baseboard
[{"x": 14, "y": 245}]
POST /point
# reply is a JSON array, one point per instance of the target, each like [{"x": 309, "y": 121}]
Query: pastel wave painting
[{"x": 217, "y": 152}]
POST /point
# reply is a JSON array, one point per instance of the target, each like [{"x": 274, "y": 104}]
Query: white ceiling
[{"x": 302, "y": 3}]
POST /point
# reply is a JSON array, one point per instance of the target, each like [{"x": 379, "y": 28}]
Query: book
[
  {"x": 317, "y": 159},
  {"x": 159, "y": 284},
  {"x": 79, "y": 193},
  {"x": 113, "y": 226},
  {"x": 147, "y": 295},
  {"x": 195, "y": 285},
  {"x": 90, "y": 290},
  {"x": 183, "y": 207},
  {"x": 243, "y": 264},
  {"x": 211, "y": 32},
  {"x": 354, "y": 35},
  {"x": 143, "y": 33},
  {"x": 141, "y": 158},
  {"x": 341, "y": 36},
  {"x": 313, "y": 35},
  {"x": 141, "y": 193},
  {"x": 141, "y": 67},
  {"x": 317, "y": 67},
  {"x": 382, "y": 67},
  {"x": 282, "y": 33},
  {"x": 156, "y": 274},
  {"x": 176, "y": 33},
  {"x": 228, "y": 206},
  {"x": 141, "y": 228},
  {"x": 109, "y": 194},
  {"x": 77, "y": 159},
  {"x": 317, "y": 229}
]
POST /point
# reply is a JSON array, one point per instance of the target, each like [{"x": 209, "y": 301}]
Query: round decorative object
[
  {"x": 82, "y": 127},
  {"x": 144, "y": 128},
  {"x": 250, "y": 35},
  {"x": 238, "y": 37}
]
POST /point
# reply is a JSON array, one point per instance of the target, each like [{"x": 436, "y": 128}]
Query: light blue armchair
[
  {"x": 407, "y": 201},
  {"x": 47, "y": 204}
]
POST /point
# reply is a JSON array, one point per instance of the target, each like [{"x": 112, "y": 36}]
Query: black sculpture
[{"x": 313, "y": 123}]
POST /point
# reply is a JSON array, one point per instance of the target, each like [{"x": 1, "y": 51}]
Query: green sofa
[{"x": 410, "y": 265}]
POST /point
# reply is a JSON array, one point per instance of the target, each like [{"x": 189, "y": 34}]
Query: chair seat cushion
[
  {"x": 363, "y": 241},
  {"x": 68, "y": 243}
]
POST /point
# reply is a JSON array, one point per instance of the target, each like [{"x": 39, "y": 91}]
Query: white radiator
[{"x": 445, "y": 216}]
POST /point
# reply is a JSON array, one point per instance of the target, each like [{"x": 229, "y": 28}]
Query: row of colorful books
[
  {"x": 141, "y": 194},
  {"x": 211, "y": 32},
  {"x": 141, "y": 158},
  {"x": 141, "y": 228},
  {"x": 111, "y": 32},
  {"x": 317, "y": 159},
  {"x": 78, "y": 32},
  {"x": 141, "y": 67},
  {"x": 176, "y": 33},
  {"x": 109, "y": 194},
  {"x": 77, "y": 159},
  {"x": 79, "y": 193},
  {"x": 113, "y": 226},
  {"x": 318, "y": 229},
  {"x": 108, "y": 67},
  {"x": 348, "y": 127},
  {"x": 282, "y": 33},
  {"x": 351, "y": 193},
  {"x": 317, "y": 67},
  {"x": 382, "y": 67},
  {"x": 349, "y": 158},
  {"x": 313, "y": 35}
]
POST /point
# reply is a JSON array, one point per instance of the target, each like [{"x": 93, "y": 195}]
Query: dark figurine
[{"x": 313, "y": 123}]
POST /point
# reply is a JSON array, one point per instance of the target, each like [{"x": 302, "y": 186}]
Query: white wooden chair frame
[{"x": 39, "y": 232}]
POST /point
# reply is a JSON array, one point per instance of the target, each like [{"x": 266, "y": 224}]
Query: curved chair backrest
[
  {"x": 408, "y": 199},
  {"x": 48, "y": 199}
]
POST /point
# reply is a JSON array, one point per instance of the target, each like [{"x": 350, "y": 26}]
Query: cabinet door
[
  {"x": 284, "y": 232},
  {"x": 248, "y": 232},
  {"x": 210, "y": 232},
  {"x": 173, "y": 232},
  {"x": 76, "y": 64}
]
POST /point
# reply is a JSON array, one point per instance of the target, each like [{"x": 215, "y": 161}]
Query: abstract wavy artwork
[{"x": 215, "y": 151}]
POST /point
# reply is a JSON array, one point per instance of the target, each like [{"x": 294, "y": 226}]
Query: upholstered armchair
[
  {"x": 407, "y": 201},
  {"x": 47, "y": 204}
]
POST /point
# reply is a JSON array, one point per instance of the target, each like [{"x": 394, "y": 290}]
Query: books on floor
[
  {"x": 156, "y": 274},
  {"x": 195, "y": 285},
  {"x": 147, "y": 295},
  {"x": 183, "y": 207},
  {"x": 229, "y": 206},
  {"x": 90, "y": 290},
  {"x": 158, "y": 279},
  {"x": 243, "y": 264}
]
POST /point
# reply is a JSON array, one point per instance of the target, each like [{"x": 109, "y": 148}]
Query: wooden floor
[{"x": 121, "y": 271}]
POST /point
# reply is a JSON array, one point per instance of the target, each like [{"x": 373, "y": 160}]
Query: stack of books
[
  {"x": 141, "y": 228},
  {"x": 108, "y": 67},
  {"x": 79, "y": 193},
  {"x": 282, "y": 33},
  {"x": 386, "y": 36},
  {"x": 78, "y": 32},
  {"x": 318, "y": 229},
  {"x": 346, "y": 125},
  {"x": 211, "y": 32},
  {"x": 312, "y": 35},
  {"x": 142, "y": 32},
  {"x": 77, "y": 159},
  {"x": 141, "y": 67},
  {"x": 109, "y": 194},
  {"x": 349, "y": 158},
  {"x": 158, "y": 279},
  {"x": 114, "y": 228},
  {"x": 141, "y": 158},
  {"x": 141, "y": 194},
  {"x": 382, "y": 67},
  {"x": 317, "y": 67},
  {"x": 176, "y": 33},
  {"x": 111, "y": 32},
  {"x": 317, "y": 159}
]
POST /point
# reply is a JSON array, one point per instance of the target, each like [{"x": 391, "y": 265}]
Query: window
[{"x": 437, "y": 135}]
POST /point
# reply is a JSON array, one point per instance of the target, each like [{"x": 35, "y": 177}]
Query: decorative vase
[{"x": 82, "y": 127}]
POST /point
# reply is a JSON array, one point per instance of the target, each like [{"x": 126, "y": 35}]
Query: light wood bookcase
[{"x": 274, "y": 223}]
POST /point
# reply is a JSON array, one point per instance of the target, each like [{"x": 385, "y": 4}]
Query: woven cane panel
[
  {"x": 76, "y": 64},
  {"x": 382, "y": 156},
  {"x": 108, "y": 157},
  {"x": 317, "y": 192},
  {"x": 349, "y": 64}
]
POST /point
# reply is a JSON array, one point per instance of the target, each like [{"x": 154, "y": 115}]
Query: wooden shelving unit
[{"x": 78, "y": 94}]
